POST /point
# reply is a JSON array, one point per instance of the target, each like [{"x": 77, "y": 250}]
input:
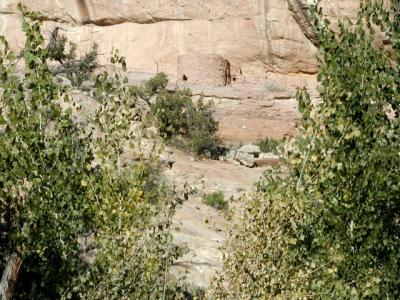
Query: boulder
[
  {"x": 267, "y": 159},
  {"x": 245, "y": 159},
  {"x": 230, "y": 155},
  {"x": 250, "y": 149},
  {"x": 166, "y": 160}
]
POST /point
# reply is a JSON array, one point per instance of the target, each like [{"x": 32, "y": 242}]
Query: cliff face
[
  {"x": 254, "y": 35},
  {"x": 267, "y": 44}
]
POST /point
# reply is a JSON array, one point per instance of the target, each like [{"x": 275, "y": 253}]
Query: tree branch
[{"x": 10, "y": 276}]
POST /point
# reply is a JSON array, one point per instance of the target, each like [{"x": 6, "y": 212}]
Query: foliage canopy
[
  {"x": 330, "y": 229},
  {"x": 61, "y": 180}
]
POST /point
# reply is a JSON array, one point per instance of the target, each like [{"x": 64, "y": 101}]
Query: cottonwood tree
[
  {"x": 330, "y": 228},
  {"x": 61, "y": 180}
]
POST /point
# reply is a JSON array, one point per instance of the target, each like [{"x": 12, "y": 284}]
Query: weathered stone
[
  {"x": 253, "y": 35},
  {"x": 235, "y": 162},
  {"x": 166, "y": 160},
  {"x": 247, "y": 50},
  {"x": 197, "y": 226},
  {"x": 267, "y": 159},
  {"x": 245, "y": 159},
  {"x": 251, "y": 149},
  {"x": 231, "y": 154}
]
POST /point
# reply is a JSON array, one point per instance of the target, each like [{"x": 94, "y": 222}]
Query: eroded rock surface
[
  {"x": 255, "y": 36},
  {"x": 198, "y": 226},
  {"x": 245, "y": 50}
]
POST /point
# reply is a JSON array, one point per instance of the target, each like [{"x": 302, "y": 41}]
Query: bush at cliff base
[{"x": 329, "y": 228}]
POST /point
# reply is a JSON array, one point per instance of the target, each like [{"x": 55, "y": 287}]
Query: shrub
[
  {"x": 58, "y": 183},
  {"x": 171, "y": 111},
  {"x": 269, "y": 145},
  {"x": 330, "y": 229},
  {"x": 216, "y": 200},
  {"x": 184, "y": 123},
  {"x": 201, "y": 137},
  {"x": 154, "y": 86},
  {"x": 77, "y": 70}
]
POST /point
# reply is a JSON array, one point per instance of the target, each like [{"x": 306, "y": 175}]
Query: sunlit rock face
[
  {"x": 256, "y": 35},
  {"x": 269, "y": 45}
]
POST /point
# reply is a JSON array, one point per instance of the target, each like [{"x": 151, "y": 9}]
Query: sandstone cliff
[{"x": 237, "y": 49}]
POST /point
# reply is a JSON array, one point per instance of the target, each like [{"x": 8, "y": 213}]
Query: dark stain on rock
[{"x": 83, "y": 11}]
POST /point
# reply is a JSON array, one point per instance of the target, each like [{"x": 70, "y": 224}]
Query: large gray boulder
[
  {"x": 231, "y": 154},
  {"x": 250, "y": 149},
  {"x": 245, "y": 159}
]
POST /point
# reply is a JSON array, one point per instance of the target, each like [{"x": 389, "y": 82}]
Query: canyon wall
[{"x": 269, "y": 45}]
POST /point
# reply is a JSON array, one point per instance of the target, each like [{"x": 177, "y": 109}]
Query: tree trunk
[
  {"x": 10, "y": 276},
  {"x": 299, "y": 10}
]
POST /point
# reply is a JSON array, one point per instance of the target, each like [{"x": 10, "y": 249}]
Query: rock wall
[
  {"x": 203, "y": 69},
  {"x": 256, "y": 35},
  {"x": 269, "y": 44}
]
